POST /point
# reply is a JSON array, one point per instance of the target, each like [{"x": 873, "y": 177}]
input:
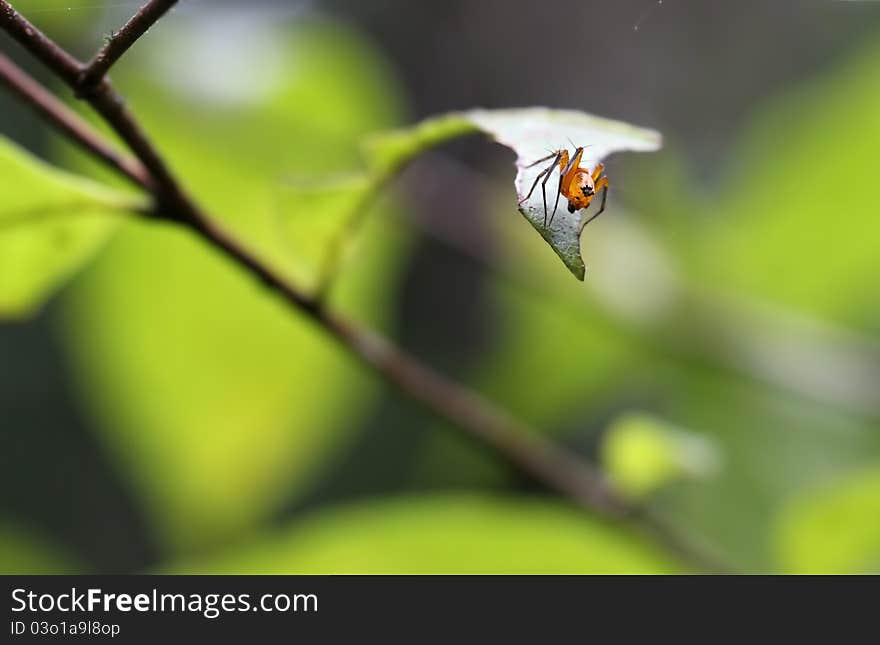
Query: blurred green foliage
[
  {"x": 50, "y": 224},
  {"x": 641, "y": 454},
  {"x": 220, "y": 408},
  {"x": 67, "y": 20},
  {"x": 446, "y": 535},
  {"x": 796, "y": 221},
  {"x": 833, "y": 529}
]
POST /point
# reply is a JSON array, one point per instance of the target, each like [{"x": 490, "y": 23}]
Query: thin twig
[
  {"x": 70, "y": 123},
  {"x": 121, "y": 41},
  {"x": 521, "y": 446}
]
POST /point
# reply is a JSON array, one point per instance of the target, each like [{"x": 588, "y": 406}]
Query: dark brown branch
[
  {"x": 121, "y": 41},
  {"x": 70, "y": 123},
  {"x": 549, "y": 465},
  {"x": 111, "y": 107}
]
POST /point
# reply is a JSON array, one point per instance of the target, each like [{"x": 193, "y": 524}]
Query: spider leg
[
  {"x": 537, "y": 179},
  {"x": 575, "y": 160},
  {"x": 544, "y": 172},
  {"x": 602, "y": 184},
  {"x": 546, "y": 175},
  {"x": 544, "y": 192},
  {"x": 550, "y": 156}
]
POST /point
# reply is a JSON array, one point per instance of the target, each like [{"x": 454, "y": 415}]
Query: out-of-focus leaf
[
  {"x": 321, "y": 215},
  {"x": 797, "y": 223},
  {"x": 67, "y": 20},
  {"x": 51, "y": 222},
  {"x": 218, "y": 401},
  {"x": 641, "y": 453},
  {"x": 444, "y": 535},
  {"x": 774, "y": 447},
  {"x": 833, "y": 530},
  {"x": 28, "y": 553}
]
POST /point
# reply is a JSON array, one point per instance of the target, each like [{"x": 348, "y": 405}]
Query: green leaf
[
  {"x": 641, "y": 453},
  {"x": 446, "y": 535},
  {"x": 833, "y": 530},
  {"x": 321, "y": 215},
  {"x": 67, "y": 20},
  {"x": 797, "y": 222},
  {"x": 51, "y": 222},
  {"x": 532, "y": 133},
  {"x": 219, "y": 402}
]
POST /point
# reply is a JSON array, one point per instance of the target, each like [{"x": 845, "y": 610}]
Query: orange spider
[{"x": 576, "y": 183}]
